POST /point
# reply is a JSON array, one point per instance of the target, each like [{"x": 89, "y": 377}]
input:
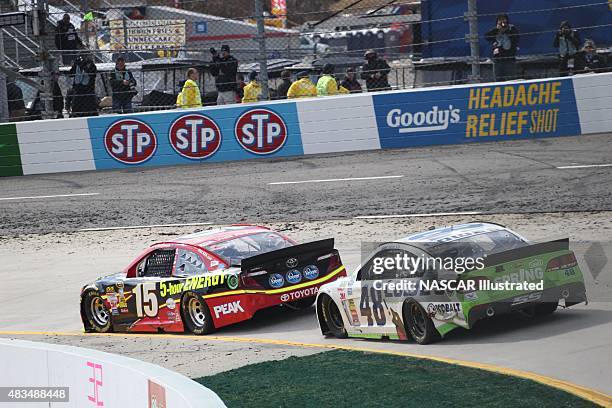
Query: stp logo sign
[
  {"x": 195, "y": 136},
  {"x": 261, "y": 131},
  {"x": 130, "y": 141}
]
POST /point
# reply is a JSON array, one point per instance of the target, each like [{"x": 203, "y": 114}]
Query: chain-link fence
[{"x": 63, "y": 60}]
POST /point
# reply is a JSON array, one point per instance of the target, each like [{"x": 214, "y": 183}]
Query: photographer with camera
[
  {"x": 123, "y": 85},
  {"x": 83, "y": 100},
  {"x": 504, "y": 40},
  {"x": 567, "y": 41},
  {"x": 224, "y": 68}
]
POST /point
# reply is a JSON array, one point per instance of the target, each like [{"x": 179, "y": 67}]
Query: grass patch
[{"x": 356, "y": 379}]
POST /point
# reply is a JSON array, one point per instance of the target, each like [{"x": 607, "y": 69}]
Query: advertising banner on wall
[
  {"x": 188, "y": 136},
  {"x": 146, "y": 35},
  {"x": 496, "y": 112}
]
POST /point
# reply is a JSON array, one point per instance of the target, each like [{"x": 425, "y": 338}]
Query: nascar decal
[
  {"x": 443, "y": 310},
  {"x": 130, "y": 141},
  {"x": 195, "y": 136},
  {"x": 261, "y": 131}
]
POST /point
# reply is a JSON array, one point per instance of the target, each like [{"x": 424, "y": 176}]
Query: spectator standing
[
  {"x": 283, "y": 88},
  {"x": 303, "y": 87},
  {"x": 240, "y": 84},
  {"x": 190, "y": 96},
  {"x": 67, "y": 40},
  {"x": 504, "y": 40},
  {"x": 567, "y": 41},
  {"x": 375, "y": 72},
  {"x": 16, "y": 106},
  {"x": 350, "y": 81},
  {"x": 123, "y": 85},
  {"x": 58, "y": 100},
  {"x": 588, "y": 60},
  {"x": 84, "y": 101},
  {"x": 89, "y": 31},
  {"x": 252, "y": 90},
  {"x": 224, "y": 68},
  {"x": 327, "y": 85}
]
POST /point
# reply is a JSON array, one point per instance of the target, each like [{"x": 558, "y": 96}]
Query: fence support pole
[
  {"x": 472, "y": 18},
  {"x": 46, "y": 98},
  {"x": 4, "y": 112},
  {"x": 262, "y": 54}
]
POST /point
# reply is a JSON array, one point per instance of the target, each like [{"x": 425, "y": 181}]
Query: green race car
[{"x": 427, "y": 284}]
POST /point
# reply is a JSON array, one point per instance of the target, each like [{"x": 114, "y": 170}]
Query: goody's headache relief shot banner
[{"x": 503, "y": 111}]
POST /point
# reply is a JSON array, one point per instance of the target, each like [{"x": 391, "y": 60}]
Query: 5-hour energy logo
[{"x": 517, "y": 110}]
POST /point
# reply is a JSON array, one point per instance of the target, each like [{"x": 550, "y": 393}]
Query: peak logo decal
[
  {"x": 195, "y": 136},
  {"x": 261, "y": 131},
  {"x": 130, "y": 141}
]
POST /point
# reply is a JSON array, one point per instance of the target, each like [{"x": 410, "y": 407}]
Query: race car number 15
[{"x": 146, "y": 301}]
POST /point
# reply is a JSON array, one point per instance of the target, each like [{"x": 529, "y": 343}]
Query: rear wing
[
  {"x": 285, "y": 254},
  {"x": 526, "y": 252}
]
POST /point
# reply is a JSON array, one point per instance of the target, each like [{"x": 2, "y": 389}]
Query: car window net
[{"x": 160, "y": 263}]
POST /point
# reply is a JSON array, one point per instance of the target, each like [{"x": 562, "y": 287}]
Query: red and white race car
[{"x": 210, "y": 279}]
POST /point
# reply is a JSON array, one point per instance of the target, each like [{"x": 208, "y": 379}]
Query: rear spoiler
[
  {"x": 289, "y": 252},
  {"x": 527, "y": 251}
]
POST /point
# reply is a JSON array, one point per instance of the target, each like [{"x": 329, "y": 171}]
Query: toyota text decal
[
  {"x": 195, "y": 136},
  {"x": 130, "y": 141},
  {"x": 261, "y": 131}
]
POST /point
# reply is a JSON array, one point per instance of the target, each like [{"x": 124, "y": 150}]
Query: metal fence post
[
  {"x": 262, "y": 54},
  {"x": 46, "y": 98},
  {"x": 472, "y": 17},
  {"x": 4, "y": 112}
]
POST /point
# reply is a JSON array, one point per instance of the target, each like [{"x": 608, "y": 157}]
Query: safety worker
[
  {"x": 252, "y": 90},
  {"x": 327, "y": 85},
  {"x": 303, "y": 87},
  {"x": 190, "y": 96}
]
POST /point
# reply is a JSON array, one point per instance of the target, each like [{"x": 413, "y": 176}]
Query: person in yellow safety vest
[
  {"x": 190, "y": 96},
  {"x": 302, "y": 88},
  {"x": 252, "y": 90},
  {"x": 327, "y": 85}
]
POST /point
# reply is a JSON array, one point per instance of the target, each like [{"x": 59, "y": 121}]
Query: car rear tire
[
  {"x": 419, "y": 324},
  {"x": 333, "y": 318},
  {"x": 196, "y": 316},
  {"x": 302, "y": 303},
  {"x": 547, "y": 308},
  {"x": 96, "y": 313}
]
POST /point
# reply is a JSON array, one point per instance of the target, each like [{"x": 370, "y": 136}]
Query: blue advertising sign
[
  {"x": 195, "y": 135},
  {"x": 503, "y": 111}
]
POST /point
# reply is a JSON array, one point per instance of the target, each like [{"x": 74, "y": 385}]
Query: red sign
[
  {"x": 279, "y": 7},
  {"x": 130, "y": 141},
  {"x": 157, "y": 395},
  {"x": 261, "y": 131},
  {"x": 195, "y": 136}
]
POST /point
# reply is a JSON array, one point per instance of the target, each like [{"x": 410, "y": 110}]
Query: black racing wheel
[
  {"x": 196, "y": 315},
  {"x": 333, "y": 318},
  {"x": 96, "y": 313},
  {"x": 419, "y": 324}
]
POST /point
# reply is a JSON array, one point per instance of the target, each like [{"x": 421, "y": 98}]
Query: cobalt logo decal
[
  {"x": 435, "y": 119},
  {"x": 130, "y": 141},
  {"x": 294, "y": 276},
  {"x": 195, "y": 136},
  {"x": 276, "y": 280},
  {"x": 311, "y": 272},
  {"x": 261, "y": 131}
]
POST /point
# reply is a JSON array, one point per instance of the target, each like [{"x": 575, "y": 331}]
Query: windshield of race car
[
  {"x": 478, "y": 246},
  {"x": 235, "y": 250}
]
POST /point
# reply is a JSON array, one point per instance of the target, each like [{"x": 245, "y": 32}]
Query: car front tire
[
  {"x": 333, "y": 318},
  {"x": 196, "y": 316},
  {"x": 97, "y": 315}
]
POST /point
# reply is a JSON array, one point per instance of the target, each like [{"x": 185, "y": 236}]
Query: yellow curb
[{"x": 588, "y": 394}]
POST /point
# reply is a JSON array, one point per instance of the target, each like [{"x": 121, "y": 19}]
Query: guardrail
[
  {"x": 95, "y": 378},
  {"x": 432, "y": 116}
]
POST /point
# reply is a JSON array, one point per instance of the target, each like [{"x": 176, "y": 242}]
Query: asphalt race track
[
  {"x": 46, "y": 259},
  {"x": 505, "y": 177}
]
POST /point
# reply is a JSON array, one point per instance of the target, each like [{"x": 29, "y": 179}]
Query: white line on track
[
  {"x": 365, "y": 217},
  {"x": 189, "y": 224},
  {"x": 48, "y": 196},
  {"x": 332, "y": 180},
  {"x": 584, "y": 166}
]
